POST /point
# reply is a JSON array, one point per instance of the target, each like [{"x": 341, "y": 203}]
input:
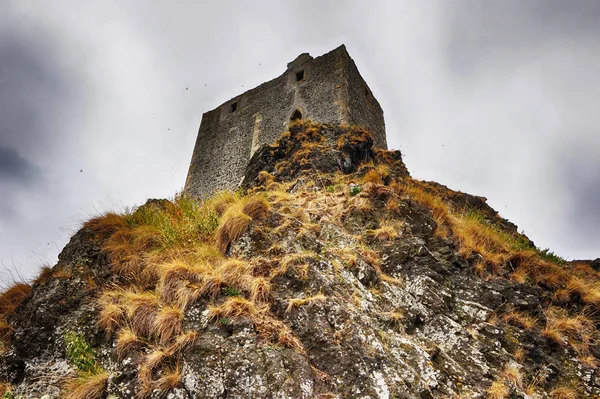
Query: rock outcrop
[{"x": 333, "y": 275}]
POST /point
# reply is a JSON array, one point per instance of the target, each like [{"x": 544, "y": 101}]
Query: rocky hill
[{"x": 331, "y": 273}]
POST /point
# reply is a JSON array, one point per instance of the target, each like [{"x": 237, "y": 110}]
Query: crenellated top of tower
[{"x": 299, "y": 61}]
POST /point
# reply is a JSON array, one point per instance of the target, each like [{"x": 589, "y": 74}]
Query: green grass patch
[
  {"x": 80, "y": 354},
  {"x": 515, "y": 242},
  {"x": 550, "y": 256},
  {"x": 180, "y": 221},
  {"x": 355, "y": 190},
  {"x": 230, "y": 291}
]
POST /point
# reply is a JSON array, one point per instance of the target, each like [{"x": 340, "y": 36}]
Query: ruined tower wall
[
  {"x": 364, "y": 109},
  {"x": 320, "y": 89}
]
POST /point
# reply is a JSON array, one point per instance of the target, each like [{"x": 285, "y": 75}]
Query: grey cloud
[
  {"x": 582, "y": 178},
  {"x": 15, "y": 168},
  {"x": 33, "y": 91},
  {"x": 479, "y": 30},
  {"x": 18, "y": 178},
  {"x": 36, "y": 108}
]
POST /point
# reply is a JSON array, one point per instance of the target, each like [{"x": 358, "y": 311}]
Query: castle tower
[{"x": 326, "y": 89}]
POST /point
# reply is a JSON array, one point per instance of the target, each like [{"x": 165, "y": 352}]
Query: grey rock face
[{"x": 377, "y": 317}]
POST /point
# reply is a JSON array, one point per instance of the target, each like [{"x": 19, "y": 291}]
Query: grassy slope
[{"x": 167, "y": 255}]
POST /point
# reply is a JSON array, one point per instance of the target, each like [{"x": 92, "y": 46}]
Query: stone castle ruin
[{"x": 326, "y": 89}]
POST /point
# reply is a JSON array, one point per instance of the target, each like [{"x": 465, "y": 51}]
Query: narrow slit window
[
  {"x": 299, "y": 75},
  {"x": 234, "y": 106},
  {"x": 296, "y": 115}
]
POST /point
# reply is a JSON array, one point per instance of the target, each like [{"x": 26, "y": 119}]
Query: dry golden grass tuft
[
  {"x": 296, "y": 262},
  {"x": 520, "y": 275},
  {"x": 256, "y": 207},
  {"x": 521, "y": 319},
  {"x": 519, "y": 355},
  {"x": 590, "y": 361},
  {"x": 141, "y": 309},
  {"x": 232, "y": 228},
  {"x": 106, "y": 224},
  {"x": 377, "y": 175},
  {"x": 146, "y": 372},
  {"x": 168, "y": 380},
  {"x": 440, "y": 211},
  {"x": 126, "y": 342},
  {"x": 274, "y": 330},
  {"x": 498, "y": 390},
  {"x": 577, "y": 331},
  {"x": 223, "y": 200},
  {"x": 285, "y": 335},
  {"x": 10, "y": 300},
  {"x": 265, "y": 178},
  {"x": 346, "y": 254},
  {"x": 371, "y": 257},
  {"x": 46, "y": 274},
  {"x": 167, "y": 324},
  {"x": 175, "y": 275},
  {"x": 361, "y": 203},
  {"x": 235, "y": 273},
  {"x": 589, "y": 291},
  {"x": 297, "y": 302},
  {"x": 563, "y": 393},
  {"x": 183, "y": 341},
  {"x": 480, "y": 267},
  {"x": 234, "y": 308},
  {"x": 112, "y": 313},
  {"x": 389, "y": 279},
  {"x": 477, "y": 237},
  {"x": 268, "y": 327},
  {"x": 372, "y": 177},
  {"x": 387, "y": 231},
  {"x": 125, "y": 260},
  {"x": 13, "y": 297},
  {"x": 260, "y": 289},
  {"x": 512, "y": 374},
  {"x": 393, "y": 205},
  {"x": 86, "y": 386},
  {"x": 473, "y": 232}
]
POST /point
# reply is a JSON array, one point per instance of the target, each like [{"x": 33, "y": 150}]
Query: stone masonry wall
[
  {"x": 364, "y": 108},
  {"x": 331, "y": 90}
]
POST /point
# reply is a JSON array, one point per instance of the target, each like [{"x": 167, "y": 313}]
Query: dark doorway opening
[
  {"x": 299, "y": 75},
  {"x": 233, "y": 106},
  {"x": 296, "y": 115}
]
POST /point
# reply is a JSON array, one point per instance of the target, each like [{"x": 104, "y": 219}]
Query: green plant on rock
[
  {"x": 355, "y": 190},
  {"x": 550, "y": 256},
  {"x": 230, "y": 291},
  {"x": 80, "y": 354}
]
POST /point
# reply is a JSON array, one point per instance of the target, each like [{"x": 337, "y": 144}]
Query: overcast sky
[{"x": 495, "y": 98}]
